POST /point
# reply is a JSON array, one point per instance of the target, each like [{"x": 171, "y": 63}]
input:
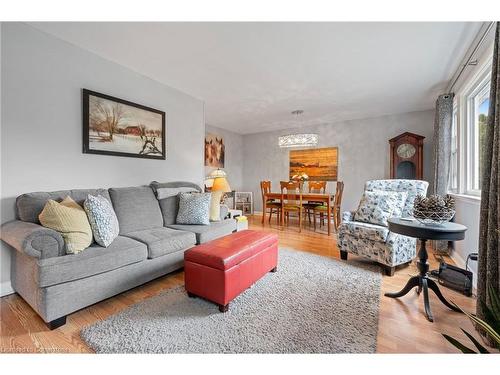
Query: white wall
[
  {"x": 41, "y": 145},
  {"x": 468, "y": 211},
  {"x": 363, "y": 152},
  {"x": 233, "y": 164}
]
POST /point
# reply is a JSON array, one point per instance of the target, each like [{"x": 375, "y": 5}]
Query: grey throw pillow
[{"x": 194, "y": 208}]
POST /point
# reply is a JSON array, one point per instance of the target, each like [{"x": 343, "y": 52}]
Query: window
[
  {"x": 478, "y": 104},
  {"x": 469, "y": 123}
]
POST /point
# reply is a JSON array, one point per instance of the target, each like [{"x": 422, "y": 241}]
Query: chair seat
[
  {"x": 366, "y": 231},
  {"x": 291, "y": 207},
  {"x": 322, "y": 207},
  {"x": 312, "y": 204},
  {"x": 273, "y": 204}
]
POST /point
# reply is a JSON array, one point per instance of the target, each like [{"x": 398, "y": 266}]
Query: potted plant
[{"x": 491, "y": 326}]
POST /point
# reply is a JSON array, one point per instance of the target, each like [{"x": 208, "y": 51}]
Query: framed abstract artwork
[
  {"x": 320, "y": 164},
  {"x": 113, "y": 126},
  {"x": 215, "y": 151}
]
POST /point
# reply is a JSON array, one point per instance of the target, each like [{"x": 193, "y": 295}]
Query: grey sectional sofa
[{"x": 150, "y": 245}]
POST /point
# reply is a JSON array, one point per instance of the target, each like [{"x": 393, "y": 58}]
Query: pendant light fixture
[{"x": 298, "y": 139}]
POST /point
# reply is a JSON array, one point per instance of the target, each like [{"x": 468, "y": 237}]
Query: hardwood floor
[{"x": 403, "y": 327}]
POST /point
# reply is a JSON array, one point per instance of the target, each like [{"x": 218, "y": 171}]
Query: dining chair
[
  {"x": 334, "y": 209},
  {"x": 318, "y": 187},
  {"x": 291, "y": 198},
  {"x": 271, "y": 204}
]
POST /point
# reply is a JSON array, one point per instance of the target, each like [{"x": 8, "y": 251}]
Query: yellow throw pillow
[
  {"x": 69, "y": 219},
  {"x": 215, "y": 205}
]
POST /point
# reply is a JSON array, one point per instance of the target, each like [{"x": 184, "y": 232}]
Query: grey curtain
[
  {"x": 489, "y": 223},
  {"x": 442, "y": 153}
]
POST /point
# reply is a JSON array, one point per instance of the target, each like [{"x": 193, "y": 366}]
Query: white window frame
[
  {"x": 482, "y": 87},
  {"x": 463, "y": 102},
  {"x": 455, "y": 145}
]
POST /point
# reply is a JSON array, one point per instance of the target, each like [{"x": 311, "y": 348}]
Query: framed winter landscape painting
[{"x": 113, "y": 126}]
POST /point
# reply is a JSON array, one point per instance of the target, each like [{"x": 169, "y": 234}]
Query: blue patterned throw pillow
[
  {"x": 102, "y": 218},
  {"x": 376, "y": 207},
  {"x": 194, "y": 208}
]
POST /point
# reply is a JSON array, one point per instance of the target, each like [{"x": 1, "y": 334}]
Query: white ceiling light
[{"x": 298, "y": 140}]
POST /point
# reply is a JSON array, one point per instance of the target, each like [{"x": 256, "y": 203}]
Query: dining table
[{"x": 306, "y": 197}]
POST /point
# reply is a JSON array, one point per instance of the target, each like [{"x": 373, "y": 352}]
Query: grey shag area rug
[{"x": 313, "y": 304}]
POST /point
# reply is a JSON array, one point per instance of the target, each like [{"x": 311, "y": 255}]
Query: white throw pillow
[
  {"x": 376, "y": 207},
  {"x": 102, "y": 218}
]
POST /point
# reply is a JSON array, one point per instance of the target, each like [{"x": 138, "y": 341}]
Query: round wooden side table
[{"x": 413, "y": 228}]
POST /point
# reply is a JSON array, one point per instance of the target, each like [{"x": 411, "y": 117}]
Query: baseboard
[{"x": 6, "y": 289}]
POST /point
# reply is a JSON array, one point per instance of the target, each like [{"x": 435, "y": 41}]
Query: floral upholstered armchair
[{"x": 375, "y": 241}]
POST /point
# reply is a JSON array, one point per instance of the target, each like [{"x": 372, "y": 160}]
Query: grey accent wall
[
  {"x": 41, "y": 145},
  {"x": 363, "y": 152},
  {"x": 233, "y": 165}
]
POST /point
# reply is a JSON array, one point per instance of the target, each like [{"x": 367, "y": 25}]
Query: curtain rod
[{"x": 469, "y": 60}]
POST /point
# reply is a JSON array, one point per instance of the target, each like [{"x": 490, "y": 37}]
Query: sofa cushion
[
  {"x": 170, "y": 206},
  {"x": 102, "y": 218},
  {"x": 411, "y": 187},
  {"x": 210, "y": 232},
  {"x": 162, "y": 241},
  {"x": 376, "y": 207},
  {"x": 136, "y": 208},
  {"x": 30, "y": 205},
  {"x": 194, "y": 208},
  {"x": 70, "y": 220},
  {"x": 91, "y": 261},
  {"x": 367, "y": 231}
]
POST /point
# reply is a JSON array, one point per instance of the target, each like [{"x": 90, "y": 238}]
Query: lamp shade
[
  {"x": 221, "y": 184},
  {"x": 217, "y": 173}
]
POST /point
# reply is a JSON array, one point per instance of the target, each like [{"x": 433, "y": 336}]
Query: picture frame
[
  {"x": 320, "y": 164},
  {"x": 118, "y": 127}
]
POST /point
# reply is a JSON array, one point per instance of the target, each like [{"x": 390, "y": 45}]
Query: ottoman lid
[{"x": 228, "y": 251}]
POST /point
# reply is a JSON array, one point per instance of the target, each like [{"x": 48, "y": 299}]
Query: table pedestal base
[{"x": 423, "y": 283}]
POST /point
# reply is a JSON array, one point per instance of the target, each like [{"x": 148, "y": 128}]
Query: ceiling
[{"x": 252, "y": 75}]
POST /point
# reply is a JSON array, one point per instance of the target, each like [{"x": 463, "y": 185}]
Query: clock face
[{"x": 406, "y": 151}]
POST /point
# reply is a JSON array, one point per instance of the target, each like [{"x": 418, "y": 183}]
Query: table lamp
[{"x": 220, "y": 182}]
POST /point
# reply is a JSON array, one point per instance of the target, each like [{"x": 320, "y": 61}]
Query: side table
[{"x": 413, "y": 228}]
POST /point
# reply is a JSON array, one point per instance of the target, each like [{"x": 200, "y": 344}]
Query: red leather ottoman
[{"x": 221, "y": 269}]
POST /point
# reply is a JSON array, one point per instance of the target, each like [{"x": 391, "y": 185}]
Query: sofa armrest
[
  {"x": 347, "y": 216},
  {"x": 32, "y": 239},
  {"x": 223, "y": 211}
]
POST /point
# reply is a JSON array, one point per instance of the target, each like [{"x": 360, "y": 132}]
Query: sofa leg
[
  {"x": 389, "y": 271},
  {"x": 191, "y": 295},
  {"x": 274, "y": 269},
  {"x": 343, "y": 255},
  {"x": 223, "y": 308},
  {"x": 56, "y": 323}
]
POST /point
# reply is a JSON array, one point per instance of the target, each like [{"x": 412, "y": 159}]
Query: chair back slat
[
  {"x": 265, "y": 187},
  {"x": 290, "y": 191},
  {"x": 317, "y": 187}
]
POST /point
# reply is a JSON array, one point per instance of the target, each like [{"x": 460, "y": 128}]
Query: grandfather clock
[{"x": 407, "y": 156}]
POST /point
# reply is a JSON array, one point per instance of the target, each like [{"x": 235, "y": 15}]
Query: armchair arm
[
  {"x": 347, "y": 216},
  {"x": 32, "y": 239}
]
